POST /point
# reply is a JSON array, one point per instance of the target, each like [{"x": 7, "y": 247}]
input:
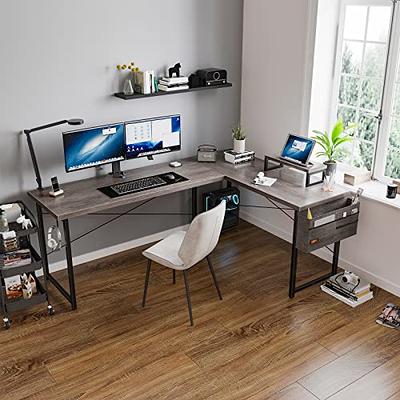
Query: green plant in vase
[
  {"x": 239, "y": 139},
  {"x": 331, "y": 144}
]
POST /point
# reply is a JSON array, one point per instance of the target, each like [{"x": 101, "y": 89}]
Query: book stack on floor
[
  {"x": 348, "y": 293},
  {"x": 390, "y": 317},
  {"x": 173, "y": 84}
]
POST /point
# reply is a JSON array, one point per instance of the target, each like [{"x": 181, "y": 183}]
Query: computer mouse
[{"x": 170, "y": 177}]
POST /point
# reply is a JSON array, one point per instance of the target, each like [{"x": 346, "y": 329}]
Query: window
[{"x": 367, "y": 84}]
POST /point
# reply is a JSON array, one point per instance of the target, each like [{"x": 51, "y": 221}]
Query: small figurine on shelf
[
  {"x": 27, "y": 291},
  {"x": 25, "y": 222},
  {"x": 176, "y": 69}
]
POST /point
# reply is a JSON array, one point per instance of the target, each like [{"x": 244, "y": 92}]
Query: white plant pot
[{"x": 239, "y": 145}]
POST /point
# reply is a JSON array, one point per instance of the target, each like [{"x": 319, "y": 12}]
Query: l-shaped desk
[{"x": 82, "y": 198}]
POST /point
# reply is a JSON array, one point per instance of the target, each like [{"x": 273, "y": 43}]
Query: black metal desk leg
[
  {"x": 293, "y": 263},
  {"x": 335, "y": 261},
  {"x": 42, "y": 242},
  {"x": 70, "y": 265},
  {"x": 194, "y": 202}
]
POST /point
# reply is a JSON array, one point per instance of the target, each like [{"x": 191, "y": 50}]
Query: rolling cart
[{"x": 9, "y": 306}]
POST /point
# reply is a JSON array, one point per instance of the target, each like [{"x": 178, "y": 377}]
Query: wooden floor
[{"x": 255, "y": 344}]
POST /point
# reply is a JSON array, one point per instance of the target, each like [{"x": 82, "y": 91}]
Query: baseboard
[
  {"x": 108, "y": 251},
  {"x": 323, "y": 253}
]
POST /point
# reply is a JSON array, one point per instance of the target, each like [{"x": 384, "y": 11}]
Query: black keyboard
[{"x": 137, "y": 185}]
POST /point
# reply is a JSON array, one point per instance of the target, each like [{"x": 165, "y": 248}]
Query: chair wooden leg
[
  {"x": 173, "y": 277},
  {"x": 210, "y": 266},
  {"x": 189, "y": 303},
  {"x": 146, "y": 282}
]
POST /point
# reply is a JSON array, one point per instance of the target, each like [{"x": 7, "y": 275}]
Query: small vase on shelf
[{"x": 128, "y": 89}]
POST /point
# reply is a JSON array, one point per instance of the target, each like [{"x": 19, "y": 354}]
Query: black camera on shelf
[{"x": 208, "y": 77}]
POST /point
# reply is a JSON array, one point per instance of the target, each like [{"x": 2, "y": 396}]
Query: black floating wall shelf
[{"x": 160, "y": 93}]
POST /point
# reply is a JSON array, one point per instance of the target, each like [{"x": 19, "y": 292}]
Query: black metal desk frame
[
  {"x": 293, "y": 289},
  {"x": 71, "y": 295}
]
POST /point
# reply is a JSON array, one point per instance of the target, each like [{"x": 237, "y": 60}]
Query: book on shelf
[
  {"x": 180, "y": 80},
  {"x": 164, "y": 88},
  {"x": 144, "y": 82},
  {"x": 389, "y": 317},
  {"x": 13, "y": 287},
  {"x": 171, "y": 85},
  {"x": 16, "y": 258}
]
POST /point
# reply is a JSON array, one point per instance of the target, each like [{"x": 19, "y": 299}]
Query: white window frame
[{"x": 382, "y": 136}]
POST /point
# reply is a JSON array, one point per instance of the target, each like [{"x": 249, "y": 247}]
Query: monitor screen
[
  {"x": 94, "y": 146},
  {"x": 298, "y": 149},
  {"x": 153, "y": 136}
]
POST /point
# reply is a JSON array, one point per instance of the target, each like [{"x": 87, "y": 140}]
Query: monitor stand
[{"x": 116, "y": 170}]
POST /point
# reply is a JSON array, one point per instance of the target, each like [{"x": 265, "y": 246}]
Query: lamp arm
[
  {"x": 32, "y": 150},
  {"x": 39, "y": 128},
  {"x": 34, "y": 160}
]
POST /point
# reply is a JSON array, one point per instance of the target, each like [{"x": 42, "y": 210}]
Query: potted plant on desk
[
  {"x": 331, "y": 144},
  {"x": 239, "y": 139}
]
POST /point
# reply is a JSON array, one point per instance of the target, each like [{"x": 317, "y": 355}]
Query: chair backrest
[{"x": 203, "y": 235}]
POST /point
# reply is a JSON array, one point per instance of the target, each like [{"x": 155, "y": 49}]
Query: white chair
[{"x": 183, "y": 250}]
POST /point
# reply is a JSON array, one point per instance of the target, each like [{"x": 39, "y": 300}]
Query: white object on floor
[{"x": 345, "y": 300}]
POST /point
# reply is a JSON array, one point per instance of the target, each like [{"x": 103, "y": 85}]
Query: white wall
[
  {"x": 273, "y": 71},
  {"x": 58, "y": 61},
  {"x": 275, "y": 45},
  {"x": 277, "y": 65}
]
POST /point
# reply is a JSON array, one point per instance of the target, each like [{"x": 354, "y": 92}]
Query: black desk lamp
[{"x": 32, "y": 150}]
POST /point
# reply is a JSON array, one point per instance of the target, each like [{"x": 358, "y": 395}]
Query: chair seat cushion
[{"x": 166, "y": 251}]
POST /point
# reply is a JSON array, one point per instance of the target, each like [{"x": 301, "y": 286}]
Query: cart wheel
[
  {"x": 50, "y": 309},
  {"x": 6, "y": 323}
]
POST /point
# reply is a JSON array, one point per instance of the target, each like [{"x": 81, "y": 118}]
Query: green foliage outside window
[{"x": 360, "y": 95}]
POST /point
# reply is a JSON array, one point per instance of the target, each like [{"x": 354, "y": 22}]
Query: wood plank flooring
[{"x": 254, "y": 344}]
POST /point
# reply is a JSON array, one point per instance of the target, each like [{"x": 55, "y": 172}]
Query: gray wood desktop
[{"x": 82, "y": 198}]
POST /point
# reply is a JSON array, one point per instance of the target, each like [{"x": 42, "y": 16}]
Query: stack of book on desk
[
  {"x": 346, "y": 292},
  {"x": 173, "y": 84},
  {"x": 239, "y": 158}
]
